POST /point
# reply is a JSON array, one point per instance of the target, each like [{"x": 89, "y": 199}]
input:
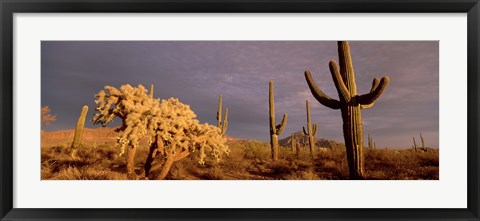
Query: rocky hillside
[{"x": 303, "y": 140}]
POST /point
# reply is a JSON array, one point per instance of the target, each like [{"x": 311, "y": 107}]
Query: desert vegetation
[
  {"x": 162, "y": 139},
  {"x": 247, "y": 160}
]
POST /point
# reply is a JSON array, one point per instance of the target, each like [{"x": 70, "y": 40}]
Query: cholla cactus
[
  {"x": 134, "y": 107},
  {"x": 169, "y": 126},
  {"x": 178, "y": 134}
]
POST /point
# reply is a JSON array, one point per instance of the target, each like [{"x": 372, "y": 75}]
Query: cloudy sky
[{"x": 196, "y": 72}]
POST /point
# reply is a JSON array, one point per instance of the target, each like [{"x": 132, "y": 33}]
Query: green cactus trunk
[
  {"x": 275, "y": 130},
  {"x": 77, "y": 139},
  {"x": 350, "y": 104}
]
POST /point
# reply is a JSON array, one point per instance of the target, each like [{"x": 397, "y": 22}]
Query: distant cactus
[
  {"x": 350, "y": 104},
  {"x": 293, "y": 142},
  {"x": 77, "y": 139},
  {"x": 275, "y": 130},
  {"x": 223, "y": 128},
  {"x": 371, "y": 144},
  {"x": 415, "y": 145},
  {"x": 151, "y": 91},
  {"x": 423, "y": 142},
  {"x": 311, "y": 131}
]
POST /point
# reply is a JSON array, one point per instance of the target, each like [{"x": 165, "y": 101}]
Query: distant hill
[
  {"x": 303, "y": 140},
  {"x": 90, "y": 136}
]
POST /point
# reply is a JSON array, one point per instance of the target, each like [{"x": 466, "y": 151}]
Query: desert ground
[{"x": 98, "y": 159}]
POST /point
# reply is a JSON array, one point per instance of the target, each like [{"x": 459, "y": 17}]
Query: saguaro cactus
[
  {"x": 79, "y": 131},
  {"x": 415, "y": 145},
  {"x": 423, "y": 142},
  {"x": 311, "y": 131},
  {"x": 151, "y": 91},
  {"x": 223, "y": 128},
  {"x": 275, "y": 130},
  {"x": 350, "y": 104},
  {"x": 369, "y": 142},
  {"x": 293, "y": 142}
]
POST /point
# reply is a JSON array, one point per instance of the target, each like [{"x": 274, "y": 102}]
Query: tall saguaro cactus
[
  {"x": 350, "y": 105},
  {"x": 223, "y": 128},
  {"x": 79, "y": 131},
  {"x": 311, "y": 131},
  {"x": 275, "y": 130}
]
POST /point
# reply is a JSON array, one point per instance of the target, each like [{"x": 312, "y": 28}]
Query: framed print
[{"x": 239, "y": 110}]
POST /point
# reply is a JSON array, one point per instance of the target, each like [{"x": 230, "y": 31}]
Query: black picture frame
[{"x": 9, "y": 7}]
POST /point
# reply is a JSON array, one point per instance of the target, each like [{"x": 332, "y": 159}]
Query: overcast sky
[{"x": 196, "y": 72}]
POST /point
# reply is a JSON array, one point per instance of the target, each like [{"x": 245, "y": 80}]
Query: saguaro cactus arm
[
  {"x": 282, "y": 125},
  {"x": 375, "y": 84},
  {"x": 225, "y": 122},
  {"x": 319, "y": 95},
  {"x": 314, "y": 128},
  {"x": 305, "y": 131},
  {"x": 338, "y": 81},
  {"x": 371, "y": 97}
]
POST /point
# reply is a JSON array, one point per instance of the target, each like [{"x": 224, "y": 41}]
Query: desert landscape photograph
[{"x": 239, "y": 110}]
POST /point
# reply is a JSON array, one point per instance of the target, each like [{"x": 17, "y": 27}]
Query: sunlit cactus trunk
[
  {"x": 275, "y": 130},
  {"x": 77, "y": 139},
  {"x": 223, "y": 127},
  {"x": 151, "y": 91},
  {"x": 310, "y": 131},
  {"x": 350, "y": 104}
]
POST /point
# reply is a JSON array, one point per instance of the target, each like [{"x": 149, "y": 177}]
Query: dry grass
[{"x": 248, "y": 160}]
